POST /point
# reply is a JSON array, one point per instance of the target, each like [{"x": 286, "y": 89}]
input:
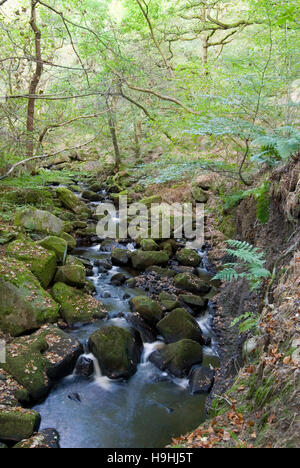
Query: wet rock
[
  {"x": 149, "y": 245},
  {"x": 163, "y": 272},
  {"x": 92, "y": 196},
  {"x": 57, "y": 245},
  {"x": 107, "y": 245},
  {"x": 24, "y": 304},
  {"x": 36, "y": 361},
  {"x": 17, "y": 423},
  {"x": 120, "y": 257},
  {"x": 118, "y": 279},
  {"x": 148, "y": 309},
  {"x": 141, "y": 260},
  {"x": 147, "y": 333},
  {"x": 178, "y": 358},
  {"x": 73, "y": 275},
  {"x": 168, "y": 301},
  {"x": 208, "y": 277},
  {"x": 201, "y": 380},
  {"x": 191, "y": 283},
  {"x": 84, "y": 366},
  {"x": 197, "y": 303},
  {"x": 76, "y": 306},
  {"x": 75, "y": 397},
  {"x": 179, "y": 325},
  {"x": 46, "y": 439},
  {"x": 103, "y": 266},
  {"x": 188, "y": 257},
  {"x": 117, "y": 350},
  {"x": 40, "y": 221},
  {"x": 40, "y": 261},
  {"x": 131, "y": 283},
  {"x": 97, "y": 187}
]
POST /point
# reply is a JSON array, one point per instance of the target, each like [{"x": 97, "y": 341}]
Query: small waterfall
[{"x": 149, "y": 348}]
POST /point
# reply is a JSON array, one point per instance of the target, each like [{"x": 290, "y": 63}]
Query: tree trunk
[
  {"x": 205, "y": 54},
  {"x": 35, "y": 80},
  {"x": 137, "y": 139},
  {"x": 113, "y": 132}
]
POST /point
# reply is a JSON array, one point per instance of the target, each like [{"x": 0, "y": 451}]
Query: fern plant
[
  {"x": 250, "y": 264},
  {"x": 278, "y": 146},
  {"x": 246, "y": 322}
]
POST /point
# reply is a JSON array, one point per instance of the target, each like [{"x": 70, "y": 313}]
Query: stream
[{"x": 145, "y": 412}]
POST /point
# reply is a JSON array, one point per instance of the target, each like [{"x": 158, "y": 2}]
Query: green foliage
[
  {"x": 249, "y": 265},
  {"x": 246, "y": 322},
  {"x": 261, "y": 194},
  {"x": 277, "y": 146}
]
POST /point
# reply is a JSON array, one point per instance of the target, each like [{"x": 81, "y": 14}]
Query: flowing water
[{"x": 146, "y": 411}]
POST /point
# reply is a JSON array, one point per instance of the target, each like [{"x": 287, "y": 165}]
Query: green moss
[
  {"x": 17, "y": 424},
  {"x": 76, "y": 306},
  {"x": 57, "y": 245},
  {"x": 24, "y": 305},
  {"x": 41, "y": 262}
]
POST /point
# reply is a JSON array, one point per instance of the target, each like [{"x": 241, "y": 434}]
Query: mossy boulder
[
  {"x": 72, "y": 243},
  {"x": 117, "y": 351},
  {"x": 46, "y": 439},
  {"x": 178, "y": 358},
  {"x": 70, "y": 201},
  {"x": 76, "y": 306},
  {"x": 191, "y": 283},
  {"x": 120, "y": 257},
  {"x": 195, "y": 302},
  {"x": 38, "y": 260},
  {"x": 208, "y": 277},
  {"x": 199, "y": 195},
  {"x": 148, "y": 201},
  {"x": 73, "y": 275},
  {"x": 38, "y": 360},
  {"x": 31, "y": 196},
  {"x": 57, "y": 245},
  {"x": 168, "y": 301},
  {"x": 24, "y": 304},
  {"x": 17, "y": 423},
  {"x": 201, "y": 380},
  {"x": 148, "y": 309},
  {"x": 92, "y": 196},
  {"x": 179, "y": 325},
  {"x": 141, "y": 260},
  {"x": 39, "y": 221},
  {"x": 163, "y": 272},
  {"x": 149, "y": 245},
  {"x": 188, "y": 257}
]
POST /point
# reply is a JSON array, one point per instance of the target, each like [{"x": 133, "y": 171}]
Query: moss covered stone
[
  {"x": 46, "y": 439},
  {"x": 17, "y": 423},
  {"x": 178, "y": 325},
  {"x": 195, "y": 302},
  {"x": 117, "y": 350},
  {"x": 76, "y": 306},
  {"x": 24, "y": 304},
  {"x": 178, "y": 358},
  {"x": 149, "y": 245},
  {"x": 141, "y": 260},
  {"x": 191, "y": 283},
  {"x": 168, "y": 301},
  {"x": 36, "y": 361},
  {"x": 70, "y": 201},
  {"x": 38, "y": 260},
  {"x": 73, "y": 275},
  {"x": 188, "y": 257},
  {"x": 40, "y": 221},
  {"x": 57, "y": 245},
  {"x": 120, "y": 257},
  {"x": 69, "y": 239},
  {"x": 151, "y": 200},
  {"x": 149, "y": 310}
]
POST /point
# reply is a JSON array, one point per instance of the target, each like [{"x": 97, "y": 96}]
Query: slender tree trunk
[
  {"x": 205, "y": 53},
  {"x": 34, "y": 81},
  {"x": 114, "y": 137},
  {"x": 137, "y": 139}
]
